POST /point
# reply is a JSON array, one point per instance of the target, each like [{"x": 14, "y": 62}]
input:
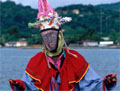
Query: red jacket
[{"x": 72, "y": 71}]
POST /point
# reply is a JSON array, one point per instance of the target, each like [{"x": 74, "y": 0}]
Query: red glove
[
  {"x": 18, "y": 83},
  {"x": 110, "y": 81}
]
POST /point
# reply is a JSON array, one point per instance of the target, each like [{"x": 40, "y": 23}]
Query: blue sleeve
[
  {"x": 90, "y": 82},
  {"x": 29, "y": 83}
]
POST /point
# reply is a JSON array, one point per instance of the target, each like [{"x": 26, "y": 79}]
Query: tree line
[{"x": 88, "y": 22}]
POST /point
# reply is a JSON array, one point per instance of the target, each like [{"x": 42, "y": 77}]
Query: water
[{"x": 13, "y": 62}]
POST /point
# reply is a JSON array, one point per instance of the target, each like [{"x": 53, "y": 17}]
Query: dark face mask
[{"x": 50, "y": 39}]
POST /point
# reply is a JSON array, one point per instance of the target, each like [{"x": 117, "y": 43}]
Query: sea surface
[{"x": 14, "y": 60}]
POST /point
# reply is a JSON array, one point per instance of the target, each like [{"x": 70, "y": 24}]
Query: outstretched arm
[
  {"x": 25, "y": 84},
  {"x": 93, "y": 82}
]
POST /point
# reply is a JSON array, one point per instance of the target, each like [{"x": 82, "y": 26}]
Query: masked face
[{"x": 50, "y": 39}]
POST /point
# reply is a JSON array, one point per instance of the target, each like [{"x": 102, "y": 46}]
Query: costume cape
[{"x": 72, "y": 71}]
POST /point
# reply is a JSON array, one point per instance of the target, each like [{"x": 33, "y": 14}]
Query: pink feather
[{"x": 44, "y": 8}]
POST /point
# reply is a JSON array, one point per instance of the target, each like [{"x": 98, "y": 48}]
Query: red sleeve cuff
[
  {"x": 19, "y": 81},
  {"x": 104, "y": 88}
]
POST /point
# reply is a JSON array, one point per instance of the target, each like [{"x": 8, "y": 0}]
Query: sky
[{"x": 60, "y": 3}]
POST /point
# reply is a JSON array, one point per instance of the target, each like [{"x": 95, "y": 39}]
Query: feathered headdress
[{"x": 47, "y": 17}]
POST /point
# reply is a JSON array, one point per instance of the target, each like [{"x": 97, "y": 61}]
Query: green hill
[
  {"x": 88, "y": 22},
  {"x": 114, "y": 6},
  {"x": 16, "y": 15}
]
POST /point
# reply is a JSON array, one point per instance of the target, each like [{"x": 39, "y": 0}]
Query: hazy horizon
[{"x": 62, "y": 3}]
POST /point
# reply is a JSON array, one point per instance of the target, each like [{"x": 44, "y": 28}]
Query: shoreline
[{"x": 75, "y": 47}]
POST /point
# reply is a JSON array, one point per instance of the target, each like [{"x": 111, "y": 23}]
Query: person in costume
[{"x": 57, "y": 68}]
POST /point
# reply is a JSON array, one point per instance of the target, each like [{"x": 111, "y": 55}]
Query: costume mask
[{"x": 50, "y": 39}]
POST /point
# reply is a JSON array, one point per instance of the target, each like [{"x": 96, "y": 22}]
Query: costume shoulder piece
[
  {"x": 36, "y": 65},
  {"x": 76, "y": 65},
  {"x": 35, "y": 59},
  {"x": 37, "y": 69}
]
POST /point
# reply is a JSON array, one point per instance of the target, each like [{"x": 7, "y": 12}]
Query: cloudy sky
[{"x": 57, "y": 3}]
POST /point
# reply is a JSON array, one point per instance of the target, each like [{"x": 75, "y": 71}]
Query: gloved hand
[
  {"x": 110, "y": 81},
  {"x": 17, "y": 84}
]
